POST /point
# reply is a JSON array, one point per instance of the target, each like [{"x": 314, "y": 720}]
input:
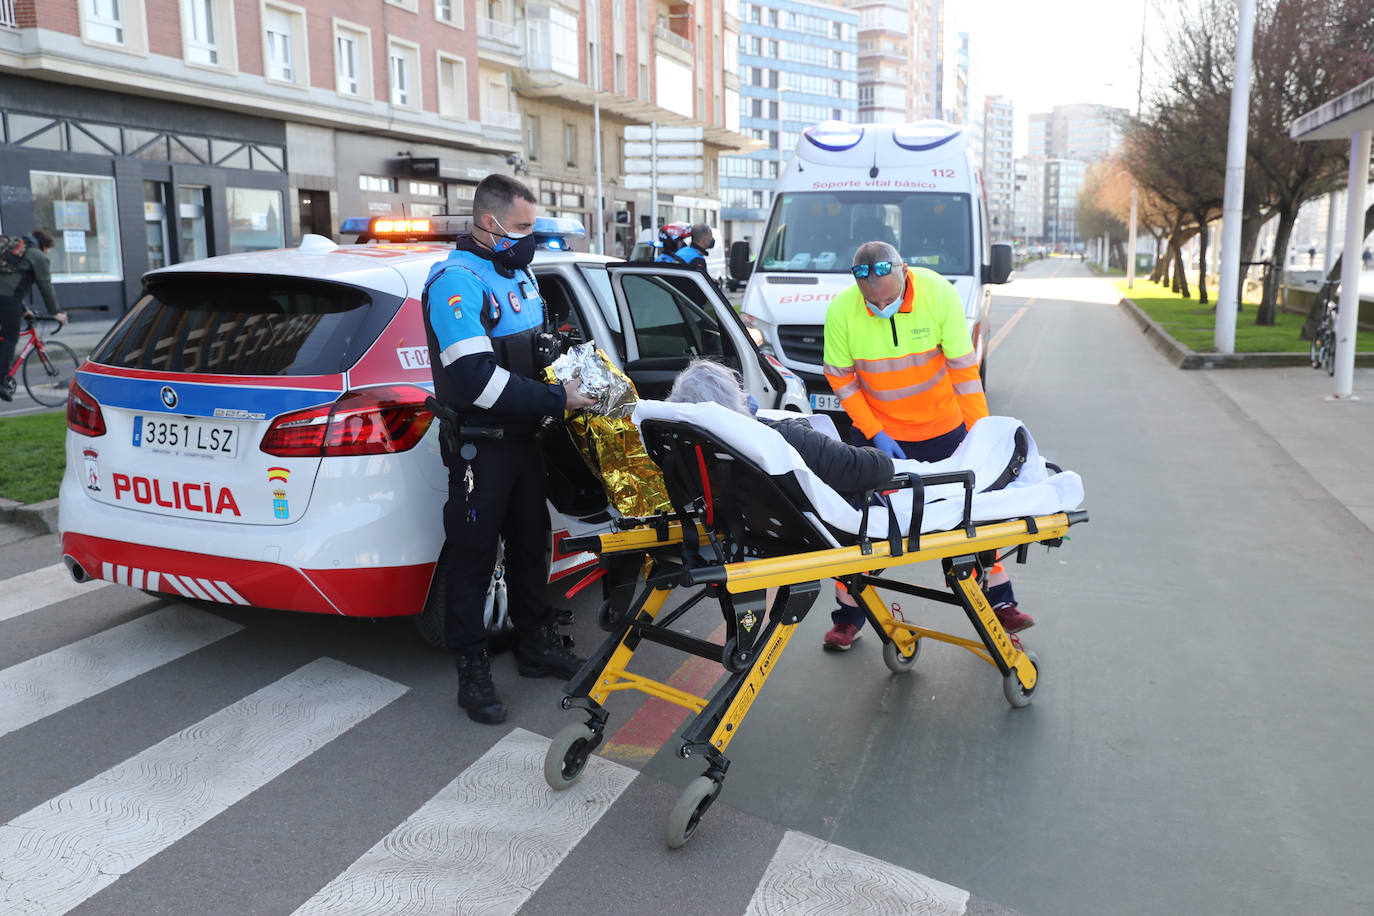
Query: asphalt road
[{"x": 1195, "y": 744}]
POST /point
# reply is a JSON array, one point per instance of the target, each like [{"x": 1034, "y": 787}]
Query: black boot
[
  {"x": 476, "y": 692},
  {"x": 542, "y": 654}
]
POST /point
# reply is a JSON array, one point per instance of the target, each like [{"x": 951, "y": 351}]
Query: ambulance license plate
[
  {"x": 181, "y": 436},
  {"x": 825, "y": 402}
]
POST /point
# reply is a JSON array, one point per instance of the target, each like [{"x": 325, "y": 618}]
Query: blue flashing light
[
  {"x": 834, "y": 136},
  {"x": 546, "y": 227},
  {"x": 923, "y": 135},
  {"x": 355, "y": 225}
]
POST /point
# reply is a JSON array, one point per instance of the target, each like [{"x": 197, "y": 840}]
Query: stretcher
[{"x": 753, "y": 530}]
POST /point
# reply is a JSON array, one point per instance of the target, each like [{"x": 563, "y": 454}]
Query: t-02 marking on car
[{"x": 298, "y": 379}]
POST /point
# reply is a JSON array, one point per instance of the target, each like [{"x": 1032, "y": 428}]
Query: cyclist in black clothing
[{"x": 32, "y": 268}]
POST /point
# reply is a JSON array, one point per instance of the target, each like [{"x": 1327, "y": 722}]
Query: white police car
[{"x": 252, "y": 432}]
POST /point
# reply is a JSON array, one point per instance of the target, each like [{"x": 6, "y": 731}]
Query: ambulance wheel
[
  {"x": 568, "y": 754},
  {"x": 691, "y": 806},
  {"x": 1017, "y": 695},
  {"x": 896, "y": 662}
]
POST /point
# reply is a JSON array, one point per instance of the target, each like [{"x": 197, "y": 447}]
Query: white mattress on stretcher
[{"x": 986, "y": 451}]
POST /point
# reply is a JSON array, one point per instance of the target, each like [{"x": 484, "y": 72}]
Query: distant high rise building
[
  {"x": 798, "y": 66},
  {"x": 998, "y": 165},
  {"x": 1028, "y": 195},
  {"x": 887, "y": 45},
  {"x": 1063, "y": 181},
  {"x": 960, "y": 113},
  {"x": 1086, "y": 132}
]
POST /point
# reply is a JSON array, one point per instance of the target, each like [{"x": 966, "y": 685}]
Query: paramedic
[
  {"x": 16, "y": 277},
  {"x": 848, "y": 470},
  {"x": 899, "y": 357},
  {"x": 482, "y": 315}
]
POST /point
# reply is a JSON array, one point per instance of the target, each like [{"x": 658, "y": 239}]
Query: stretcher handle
[{"x": 1077, "y": 515}]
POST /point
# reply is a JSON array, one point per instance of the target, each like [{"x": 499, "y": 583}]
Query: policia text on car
[{"x": 483, "y": 322}]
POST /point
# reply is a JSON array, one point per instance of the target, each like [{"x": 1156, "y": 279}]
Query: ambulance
[{"x": 915, "y": 186}]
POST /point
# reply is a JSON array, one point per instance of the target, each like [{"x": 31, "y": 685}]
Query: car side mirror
[
  {"x": 999, "y": 271},
  {"x": 740, "y": 264}
]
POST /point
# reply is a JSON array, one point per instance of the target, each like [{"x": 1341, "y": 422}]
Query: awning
[{"x": 1338, "y": 118}]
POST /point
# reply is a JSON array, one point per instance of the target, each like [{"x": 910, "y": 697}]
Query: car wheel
[{"x": 430, "y": 622}]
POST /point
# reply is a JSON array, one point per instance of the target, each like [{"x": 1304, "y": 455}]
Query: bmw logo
[{"x": 169, "y": 397}]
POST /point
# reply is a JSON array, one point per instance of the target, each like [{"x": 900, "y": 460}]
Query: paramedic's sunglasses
[{"x": 879, "y": 269}]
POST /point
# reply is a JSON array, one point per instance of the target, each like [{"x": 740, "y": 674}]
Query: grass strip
[{"x": 32, "y": 455}]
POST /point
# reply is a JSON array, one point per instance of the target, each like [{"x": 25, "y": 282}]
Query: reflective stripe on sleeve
[
  {"x": 458, "y": 349},
  {"x": 495, "y": 385},
  {"x": 973, "y": 387},
  {"x": 968, "y": 361}
]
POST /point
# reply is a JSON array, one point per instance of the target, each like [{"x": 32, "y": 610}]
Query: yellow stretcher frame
[{"x": 757, "y": 635}]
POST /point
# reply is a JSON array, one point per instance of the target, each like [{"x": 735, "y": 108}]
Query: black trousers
[
  {"x": 11, "y": 311},
  {"x": 507, "y": 501}
]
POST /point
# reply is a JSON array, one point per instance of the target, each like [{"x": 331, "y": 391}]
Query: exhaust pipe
[{"x": 75, "y": 568}]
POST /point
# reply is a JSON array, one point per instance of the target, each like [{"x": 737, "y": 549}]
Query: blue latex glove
[{"x": 888, "y": 446}]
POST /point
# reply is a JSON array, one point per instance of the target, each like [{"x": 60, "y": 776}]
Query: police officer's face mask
[{"x": 512, "y": 251}]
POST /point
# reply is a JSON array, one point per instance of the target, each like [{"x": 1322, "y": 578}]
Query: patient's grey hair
[
  {"x": 873, "y": 252},
  {"x": 704, "y": 381}
]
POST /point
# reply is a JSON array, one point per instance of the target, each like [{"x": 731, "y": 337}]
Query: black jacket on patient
[{"x": 847, "y": 470}]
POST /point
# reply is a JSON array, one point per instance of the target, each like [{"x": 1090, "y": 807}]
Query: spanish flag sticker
[{"x": 454, "y": 300}]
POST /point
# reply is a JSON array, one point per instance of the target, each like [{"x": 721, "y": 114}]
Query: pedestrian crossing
[
  {"x": 32, "y": 591},
  {"x": 487, "y": 841}
]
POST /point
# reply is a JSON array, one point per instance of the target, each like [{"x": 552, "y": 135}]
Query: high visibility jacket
[{"x": 913, "y": 376}]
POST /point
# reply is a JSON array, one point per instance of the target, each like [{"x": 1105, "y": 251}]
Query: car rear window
[{"x": 247, "y": 325}]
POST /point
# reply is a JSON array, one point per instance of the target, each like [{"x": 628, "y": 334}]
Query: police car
[{"x": 253, "y": 431}]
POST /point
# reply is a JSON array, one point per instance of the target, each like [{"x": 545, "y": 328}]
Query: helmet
[{"x": 674, "y": 233}]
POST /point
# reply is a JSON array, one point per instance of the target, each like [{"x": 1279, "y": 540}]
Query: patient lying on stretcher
[{"x": 1012, "y": 480}]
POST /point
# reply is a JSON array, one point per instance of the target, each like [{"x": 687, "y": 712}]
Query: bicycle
[
  {"x": 1322, "y": 351},
  {"x": 47, "y": 367}
]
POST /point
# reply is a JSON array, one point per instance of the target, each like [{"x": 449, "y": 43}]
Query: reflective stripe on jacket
[{"x": 914, "y": 375}]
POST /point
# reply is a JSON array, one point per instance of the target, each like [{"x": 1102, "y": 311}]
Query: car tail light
[
  {"x": 83, "y": 412},
  {"x": 371, "y": 421}
]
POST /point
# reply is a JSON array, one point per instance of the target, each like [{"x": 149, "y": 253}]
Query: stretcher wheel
[
  {"x": 1017, "y": 695},
  {"x": 691, "y": 806},
  {"x": 603, "y": 616},
  {"x": 568, "y": 754},
  {"x": 896, "y": 662}
]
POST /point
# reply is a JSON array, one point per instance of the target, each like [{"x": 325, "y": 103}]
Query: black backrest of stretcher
[{"x": 751, "y": 508}]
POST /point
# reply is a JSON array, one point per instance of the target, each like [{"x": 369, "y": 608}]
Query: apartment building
[
  {"x": 1028, "y": 200},
  {"x": 799, "y": 66},
  {"x": 148, "y": 132},
  {"x": 1063, "y": 182},
  {"x": 999, "y": 165},
  {"x": 1085, "y": 132}
]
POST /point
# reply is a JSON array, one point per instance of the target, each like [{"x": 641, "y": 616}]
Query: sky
[{"x": 1042, "y": 53}]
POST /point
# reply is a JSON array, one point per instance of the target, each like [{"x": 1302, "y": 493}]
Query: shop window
[
  {"x": 453, "y": 86},
  {"x": 190, "y": 149},
  {"x": 426, "y": 189},
  {"x": 230, "y": 154},
  {"x": 254, "y": 219},
  {"x": 80, "y": 212},
  {"x": 155, "y": 223},
  {"x": 35, "y": 132},
  {"x": 146, "y": 144},
  {"x": 193, "y": 241}
]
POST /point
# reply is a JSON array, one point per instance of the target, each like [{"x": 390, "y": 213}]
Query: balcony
[
  {"x": 674, "y": 45},
  {"x": 504, "y": 120},
  {"x": 551, "y": 47},
  {"x": 498, "y": 40}
]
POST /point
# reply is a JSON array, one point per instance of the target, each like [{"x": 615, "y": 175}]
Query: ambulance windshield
[{"x": 819, "y": 231}]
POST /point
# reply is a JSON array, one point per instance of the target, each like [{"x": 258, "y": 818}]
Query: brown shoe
[
  {"x": 841, "y": 637},
  {"x": 1012, "y": 618}
]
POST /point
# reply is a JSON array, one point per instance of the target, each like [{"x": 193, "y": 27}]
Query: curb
[
  {"x": 1184, "y": 358},
  {"x": 40, "y": 518}
]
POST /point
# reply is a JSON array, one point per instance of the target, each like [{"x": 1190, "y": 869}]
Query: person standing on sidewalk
[
  {"x": 483, "y": 313},
  {"x": 899, "y": 357},
  {"x": 17, "y": 276}
]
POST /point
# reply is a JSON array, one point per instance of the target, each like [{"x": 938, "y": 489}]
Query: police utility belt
[{"x": 459, "y": 438}]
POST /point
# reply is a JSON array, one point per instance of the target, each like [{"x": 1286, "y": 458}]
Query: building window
[
  {"x": 426, "y": 189},
  {"x": 570, "y": 143},
  {"x": 380, "y": 184},
  {"x": 284, "y": 36},
  {"x": 403, "y": 65},
  {"x": 254, "y": 219},
  {"x": 532, "y": 138},
  {"x": 202, "y": 42},
  {"x": 443, "y": 10},
  {"x": 453, "y": 87},
  {"x": 105, "y": 21},
  {"x": 193, "y": 243},
  {"x": 80, "y": 212},
  {"x": 346, "y": 64}
]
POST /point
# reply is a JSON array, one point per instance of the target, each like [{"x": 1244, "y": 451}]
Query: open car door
[{"x": 672, "y": 315}]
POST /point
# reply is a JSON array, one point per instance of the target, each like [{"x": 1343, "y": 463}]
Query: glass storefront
[
  {"x": 80, "y": 212},
  {"x": 254, "y": 219},
  {"x": 191, "y": 212}
]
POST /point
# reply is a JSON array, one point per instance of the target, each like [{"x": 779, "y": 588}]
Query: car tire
[{"x": 429, "y": 623}]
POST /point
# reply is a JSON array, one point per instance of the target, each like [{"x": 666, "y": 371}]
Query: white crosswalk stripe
[
  {"x": 39, "y": 588},
  {"x": 808, "y": 875},
  {"x": 484, "y": 844},
  {"x": 61, "y": 853},
  {"x": 49, "y": 683}
]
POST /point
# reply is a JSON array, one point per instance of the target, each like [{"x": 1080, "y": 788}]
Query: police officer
[
  {"x": 702, "y": 241},
  {"x": 671, "y": 240},
  {"x": 483, "y": 314}
]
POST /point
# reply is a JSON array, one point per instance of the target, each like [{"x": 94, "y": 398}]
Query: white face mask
[{"x": 885, "y": 311}]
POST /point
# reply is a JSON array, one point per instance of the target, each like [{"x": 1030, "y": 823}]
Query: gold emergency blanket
[{"x": 606, "y": 437}]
